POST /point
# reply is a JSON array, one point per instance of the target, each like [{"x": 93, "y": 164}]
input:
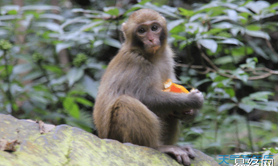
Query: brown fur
[{"x": 131, "y": 106}]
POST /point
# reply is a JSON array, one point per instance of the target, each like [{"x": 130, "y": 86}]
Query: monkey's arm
[{"x": 165, "y": 102}]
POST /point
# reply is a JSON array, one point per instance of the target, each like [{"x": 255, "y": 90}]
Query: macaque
[{"x": 131, "y": 106}]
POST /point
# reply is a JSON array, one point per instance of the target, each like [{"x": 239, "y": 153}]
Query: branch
[
  {"x": 259, "y": 73},
  {"x": 206, "y": 58},
  {"x": 267, "y": 72},
  {"x": 270, "y": 46}
]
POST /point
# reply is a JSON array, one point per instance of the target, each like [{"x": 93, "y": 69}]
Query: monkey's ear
[
  {"x": 124, "y": 31},
  {"x": 163, "y": 18},
  {"x": 124, "y": 27}
]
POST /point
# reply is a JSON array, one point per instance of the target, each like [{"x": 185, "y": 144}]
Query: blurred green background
[{"x": 53, "y": 54}]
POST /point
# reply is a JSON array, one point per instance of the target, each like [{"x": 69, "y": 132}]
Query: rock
[{"x": 66, "y": 145}]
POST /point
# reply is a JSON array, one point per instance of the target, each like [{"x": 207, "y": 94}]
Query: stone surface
[{"x": 66, "y": 145}]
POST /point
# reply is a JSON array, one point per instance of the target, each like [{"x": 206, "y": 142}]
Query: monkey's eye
[
  {"x": 141, "y": 30},
  {"x": 154, "y": 27}
]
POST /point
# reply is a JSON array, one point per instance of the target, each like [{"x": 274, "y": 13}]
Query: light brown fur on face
[{"x": 131, "y": 106}]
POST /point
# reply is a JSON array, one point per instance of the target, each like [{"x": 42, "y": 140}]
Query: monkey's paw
[
  {"x": 181, "y": 154},
  {"x": 196, "y": 98}
]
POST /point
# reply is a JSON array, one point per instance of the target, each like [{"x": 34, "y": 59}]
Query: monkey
[{"x": 131, "y": 106}]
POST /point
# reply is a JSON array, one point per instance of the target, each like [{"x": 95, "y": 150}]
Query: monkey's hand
[
  {"x": 181, "y": 154},
  {"x": 195, "y": 98}
]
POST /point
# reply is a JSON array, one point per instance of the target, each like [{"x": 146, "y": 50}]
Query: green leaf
[
  {"x": 163, "y": 10},
  {"x": 186, "y": 12},
  {"x": 59, "y": 80},
  {"x": 274, "y": 5},
  {"x": 214, "y": 31},
  {"x": 243, "y": 10},
  {"x": 250, "y": 63},
  {"x": 220, "y": 78},
  {"x": 84, "y": 122},
  {"x": 230, "y": 91},
  {"x": 52, "y": 16},
  {"x": 98, "y": 43},
  {"x": 90, "y": 86},
  {"x": 247, "y": 108},
  {"x": 212, "y": 75},
  {"x": 61, "y": 46},
  {"x": 258, "y": 6},
  {"x": 240, "y": 51},
  {"x": 266, "y": 107},
  {"x": 232, "y": 14},
  {"x": 245, "y": 18},
  {"x": 223, "y": 60},
  {"x": 183, "y": 44},
  {"x": 272, "y": 103},
  {"x": 258, "y": 49},
  {"x": 22, "y": 68},
  {"x": 231, "y": 41},
  {"x": 52, "y": 68},
  {"x": 209, "y": 44},
  {"x": 254, "y": 59},
  {"x": 226, "y": 106},
  {"x": 261, "y": 96},
  {"x": 253, "y": 27},
  {"x": 201, "y": 82},
  {"x": 197, "y": 16},
  {"x": 83, "y": 101},
  {"x": 173, "y": 24},
  {"x": 243, "y": 77},
  {"x": 227, "y": 59},
  {"x": 32, "y": 75},
  {"x": 74, "y": 75},
  {"x": 178, "y": 37},
  {"x": 274, "y": 151},
  {"x": 240, "y": 74},
  {"x": 76, "y": 92},
  {"x": 259, "y": 34},
  {"x": 9, "y": 69},
  {"x": 112, "y": 11},
  {"x": 70, "y": 105},
  {"x": 177, "y": 29},
  {"x": 235, "y": 30},
  {"x": 40, "y": 7},
  {"x": 143, "y": 2},
  {"x": 49, "y": 25},
  {"x": 12, "y": 12},
  {"x": 112, "y": 42}
]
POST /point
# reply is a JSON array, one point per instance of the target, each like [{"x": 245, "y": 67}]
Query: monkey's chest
[{"x": 165, "y": 71}]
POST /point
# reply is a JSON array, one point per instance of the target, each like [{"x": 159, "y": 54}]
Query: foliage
[
  {"x": 224, "y": 49},
  {"x": 233, "y": 43}
]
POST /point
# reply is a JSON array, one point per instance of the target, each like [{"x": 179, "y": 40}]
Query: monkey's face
[{"x": 149, "y": 33}]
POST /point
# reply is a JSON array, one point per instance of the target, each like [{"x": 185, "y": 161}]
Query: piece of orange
[{"x": 169, "y": 86}]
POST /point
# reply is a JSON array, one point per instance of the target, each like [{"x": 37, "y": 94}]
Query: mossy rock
[{"x": 66, "y": 145}]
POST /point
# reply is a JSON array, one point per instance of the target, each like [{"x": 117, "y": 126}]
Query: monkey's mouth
[
  {"x": 155, "y": 47},
  {"x": 152, "y": 49}
]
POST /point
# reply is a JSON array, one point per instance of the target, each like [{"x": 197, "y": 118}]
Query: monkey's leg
[
  {"x": 169, "y": 137},
  {"x": 131, "y": 121}
]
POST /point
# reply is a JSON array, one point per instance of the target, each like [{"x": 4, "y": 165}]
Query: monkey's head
[{"x": 146, "y": 30}]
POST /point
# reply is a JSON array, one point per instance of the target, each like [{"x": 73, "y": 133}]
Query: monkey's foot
[{"x": 181, "y": 154}]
